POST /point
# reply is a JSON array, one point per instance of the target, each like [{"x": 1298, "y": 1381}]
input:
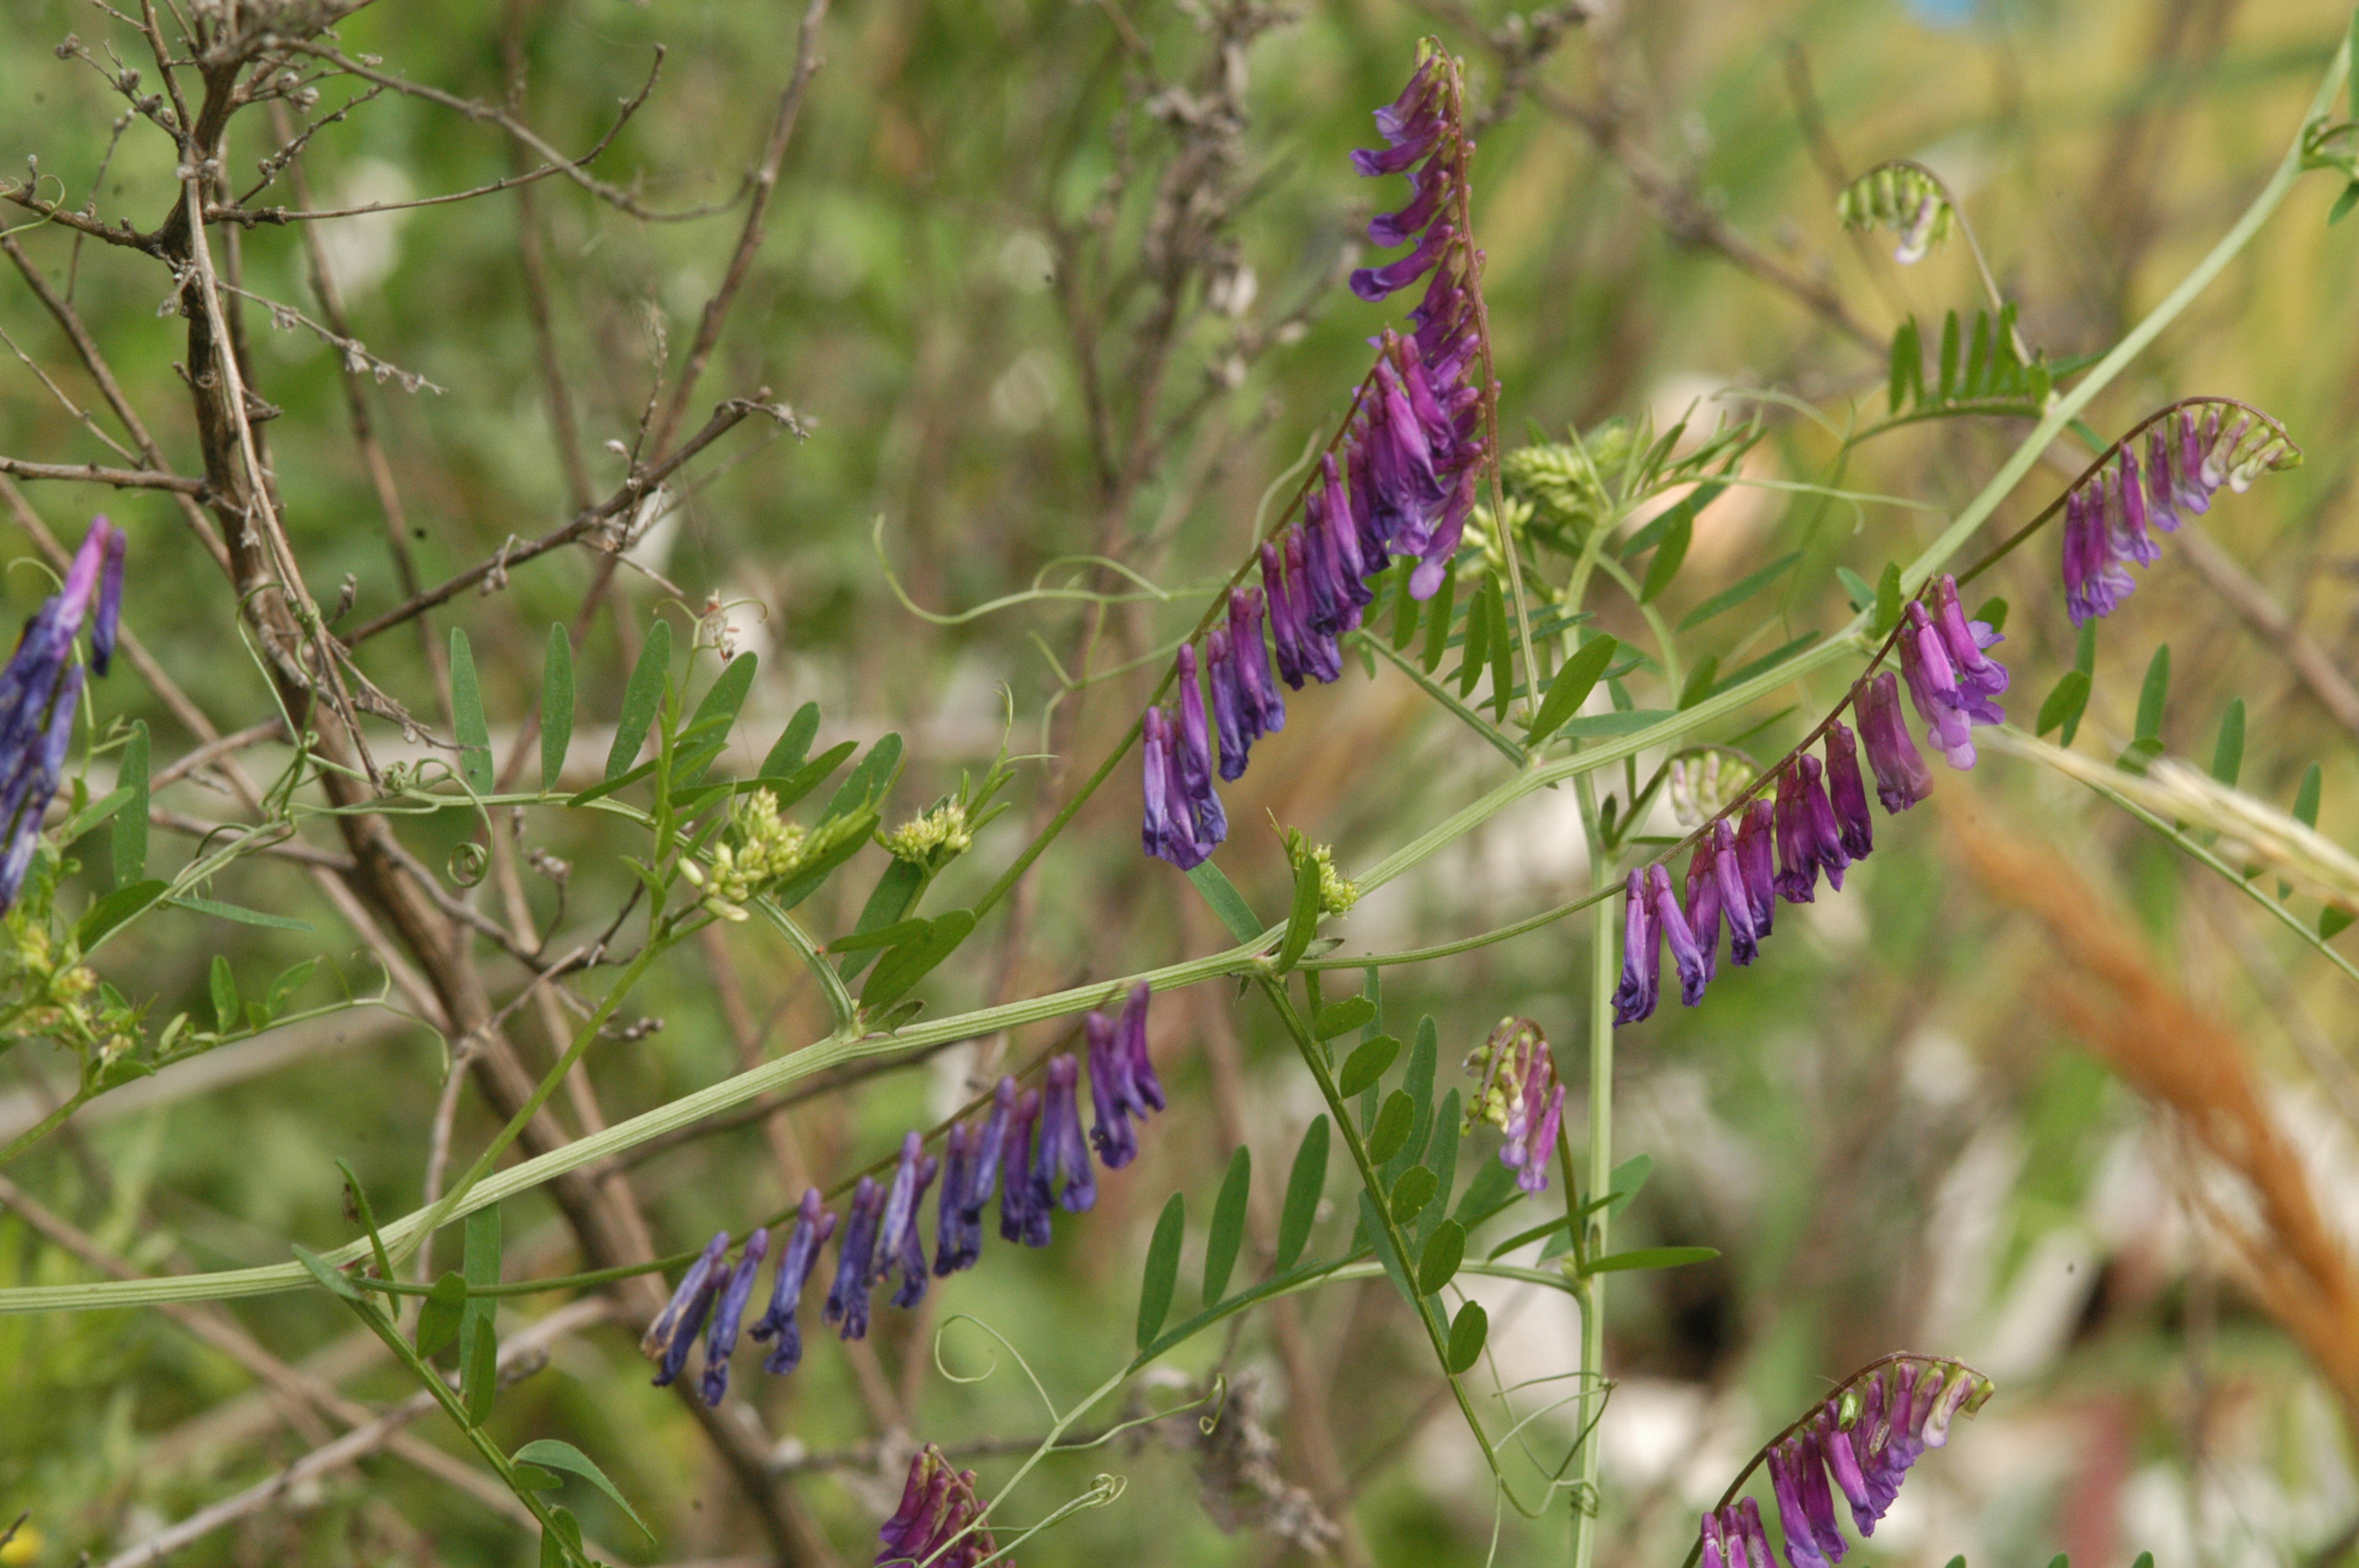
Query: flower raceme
[
  {"x": 1519, "y": 1093},
  {"x": 1399, "y": 482},
  {"x": 883, "y": 1228},
  {"x": 940, "y": 1521},
  {"x": 2191, "y": 452},
  {"x": 1819, "y": 823},
  {"x": 1863, "y": 1442},
  {"x": 39, "y": 688}
]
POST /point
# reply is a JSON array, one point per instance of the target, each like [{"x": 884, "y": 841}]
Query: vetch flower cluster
[
  {"x": 1400, "y": 482},
  {"x": 769, "y": 849},
  {"x": 1820, "y": 823},
  {"x": 2189, "y": 456},
  {"x": 1864, "y": 1440},
  {"x": 39, "y": 688},
  {"x": 883, "y": 1225},
  {"x": 939, "y": 1512},
  {"x": 1519, "y": 1095}
]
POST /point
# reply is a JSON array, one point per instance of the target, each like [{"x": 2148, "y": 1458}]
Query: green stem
[
  {"x": 1603, "y": 951},
  {"x": 1441, "y": 695},
  {"x": 47, "y": 1125}
]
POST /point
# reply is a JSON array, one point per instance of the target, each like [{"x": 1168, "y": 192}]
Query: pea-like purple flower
[
  {"x": 855, "y": 1261},
  {"x": 940, "y": 1521},
  {"x": 814, "y": 1223},
  {"x": 1702, "y": 899},
  {"x": 1736, "y": 898},
  {"x": 1519, "y": 1093},
  {"x": 958, "y": 1233},
  {"x": 1950, "y": 676},
  {"x": 1847, "y": 792},
  {"x": 898, "y": 1244},
  {"x": 1021, "y": 1218},
  {"x": 39, "y": 688},
  {"x": 675, "y": 1329},
  {"x": 730, "y": 1315},
  {"x": 1902, "y": 779},
  {"x": 1061, "y": 1146},
  {"x": 1642, "y": 953}
]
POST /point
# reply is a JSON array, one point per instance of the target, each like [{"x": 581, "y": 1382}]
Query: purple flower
[
  {"x": 676, "y": 1327},
  {"x": 1847, "y": 792},
  {"x": 898, "y": 1245},
  {"x": 1642, "y": 957},
  {"x": 1735, "y": 900},
  {"x": 1823, "y": 837},
  {"x": 38, "y": 690},
  {"x": 1231, "y": 717},
  {"x": 1112, "y": 1135},
  {"x": 722, "y": 1342},
  {"x": 1397, "y": 121},
  {"x": 1191, "y": 755},
  {"x": 1980, "y": 677},
  {"x": 1130, "y": 1042},
  {"x": 1713, "y": 1555},
  {"x": 1021, "y": 1218},
  {"x": 958, "y": 1229},
  {"x": 1803, "y": 1549},
  {"x": 1703, "y": 895},
  {"x": 1685, "y": 953},
  {"x": 1255, "y": 685},
  {"x": 855, "y": 1261},
  {"x": 1798, "y": 865},
  {"x": 1375, "y": 553},
  {"x": 1754, "y": 837},
  {"x": 1901, "y": 777},
  {"x": 814, "y": 1225},
  {"x": 1430, "y": 186},
  {"x": 1062, "y": 1144},
  {"x": 1747, "y": 1528},
  {"x": 1184, "y": 821},
  {"x": 1375, "y": 283},
  {"x": 1520, "y": 1096},
  {"x": 1949, "y": 676},
  {"x": 1433, "y": 561},
  {"x": 990, "y": 1145}
]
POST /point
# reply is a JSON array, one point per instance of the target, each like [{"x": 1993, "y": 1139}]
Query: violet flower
[
  {"x": 676, "y": 1327},
  {"x": 898, "y": 1245},
  {"x": 1234, "y": 722},
  {"x": 1130, "y": 1040},
  {"x": 1519, "y": 1093},
  {"x": 940, "y": 1521},
  {"x": 1702, "y": 897},
  {"x": 1111, "y": 1135},
  {"x": 990, "y": 1146},
  {"x": 1735, "y": 900},
  {"x": 1685, "y": 953},
  {"x": 1902, "y": 778},
  {"x": 1062, "y": 1144},
  {"x": 722, "y": 1342},
  {"x": 1949, "y": 676},
  {"x": 1847, "y": 792},
  {"x": 814, "y": 1223},
  {"x": 1823, "y": 837},
  {"x": 958, "y": 1240},
  {"x": 1255, "y": 683},
  {"x": 1754, "y": 837},
  {"x": 1642, "y": 958},
  {"x": 1020, "y": 1218},
  {"x": 855, "y": 1261},
  {"x": 1191, "y": 755}
]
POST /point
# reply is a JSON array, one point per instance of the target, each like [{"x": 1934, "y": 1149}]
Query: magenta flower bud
[
  {"x": 1642, "y": 958},
  {"x": 1902, "y": 778},
  {"x": 1702, "y": 897},
  {"x": 1735, "y": 902},
  {"x": 1797, "y": 866},
  {"x": 814, "y": 1225},
  {"x": 1802, "y": 1549},
  {"x": 1685, "y": 953},
  {"x": 855, "y": 1261},
  {"x": 1753, "y": 837},
  {"x": 722, "y": 1343},
  {"x": 1822, "y": 834}
]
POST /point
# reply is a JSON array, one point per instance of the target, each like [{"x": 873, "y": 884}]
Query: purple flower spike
[
  {"x": 1754, "y": 837},
  {"x": 1934, "y": 685},
  {"x": 1702, "y": 897},
  {"x": 32, "y": 784},
  {"x": 1684, "y": 951},
  {"x": 1847, "y": 792},
  {"x": 722, "y": 1342},
  {"x": 38, "y": 690},
  {"x": 1375, "y": 283},
  {"x": 1061, "y": 1145},
  {"x": 855, "y": 1261},
  {"x": 1642, "y": 957},
  {"x": 1736, "y": 901},
  {"x": 1902, "y": 778},
  {"x": 814, "y": 1225},
  {"x": 1801, "y": 1541},
  {"x": 1020, "y": 1218},
  {"x": 1110, "y": 1096},
  {"x": 676, "y": 1327},
  {"x": 1255, "y": 685},
  {"x": 1822, "y": 834},
  {"x": 897, "y": 1242},
  {"x": 940, "y": 1521}
]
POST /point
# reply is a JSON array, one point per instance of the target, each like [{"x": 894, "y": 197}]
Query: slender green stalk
[{"x": 1603, "y": 951}]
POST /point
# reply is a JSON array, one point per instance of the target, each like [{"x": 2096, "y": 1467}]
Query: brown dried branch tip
[{"x": 2109, "y": 993}]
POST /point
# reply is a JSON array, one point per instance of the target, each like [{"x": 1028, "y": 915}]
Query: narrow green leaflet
[
  {"x": 467, "y": 716},
  {"x": 1228, "y": 1231},
  {"x": 1364, "y": 1067},
  {"x": 238, "y": 913},
  {"x": 1393, "y": 1125},
  {"x": 1343, "y": 1017},
  {"x": 553, "y": 1454},
  {"x": 439, "y": 1314},
  {"x": 642, "y": 696},
  {"x": 115, "y": 908},
  {"x": 2228, "y": 751},
  {"x": 1441, "y": 1159},
  {"x": 1474, "y": 652},
  {"x": 1235, "y": 915},
  {"x": 2306, "y": 798},
  {"x": 1503, "y": 651},
  {"x": 1467, "y": 1334},
  {"x": 129, "y": 847},
  {"x": 1372, "y": 1227},
  {"x": 1304, "y": 919},
  {"x": 718, "y": 710},
  {"x": 224, "y": 994},
  {"x": 1628, "y": 1177},
  {"x": 2065, "y": 704},
  {"x": 1652, "y": 1257},
  {"x": 1411, "y": 1193},
  {"x": 794, "y": 742},
  {"x": 1443, "y": 1256},
  {"x": 1888, "y": 599},
  {"x": 478, "y": 1336},
  {"x": 556, "y": 708},
  {"x": 1737, "y": 592},
  {"x": 1671, "y": 555},
  {"x": 1162, "y": 1274},
  {"x": 867, "y": 785},
  {"x": 1570, "y": 686},
  {"x": 1304, "y": 1185},
  {"x": 906, "y": 964},
  {"x": 895, "y": 892},
  {"x": 2154, "y": 694},
  {"x": 1437, "y": 634}
]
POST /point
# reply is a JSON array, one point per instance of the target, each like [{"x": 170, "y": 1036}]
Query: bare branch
[{"x": 93, "y": 473}]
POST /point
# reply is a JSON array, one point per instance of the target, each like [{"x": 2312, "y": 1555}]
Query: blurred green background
[{"x": 960, "y": 295}]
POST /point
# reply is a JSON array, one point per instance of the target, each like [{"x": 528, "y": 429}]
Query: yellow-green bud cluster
[
  {"x": 1703, "y": 786},
  {"x": 1337, "y": 893},
  {"x": 1500, "y": 1066},
  {"x": 1906, "y": 198},
  {"x": 932, "y": 840},
  {"x": 769, "y": 849}
]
